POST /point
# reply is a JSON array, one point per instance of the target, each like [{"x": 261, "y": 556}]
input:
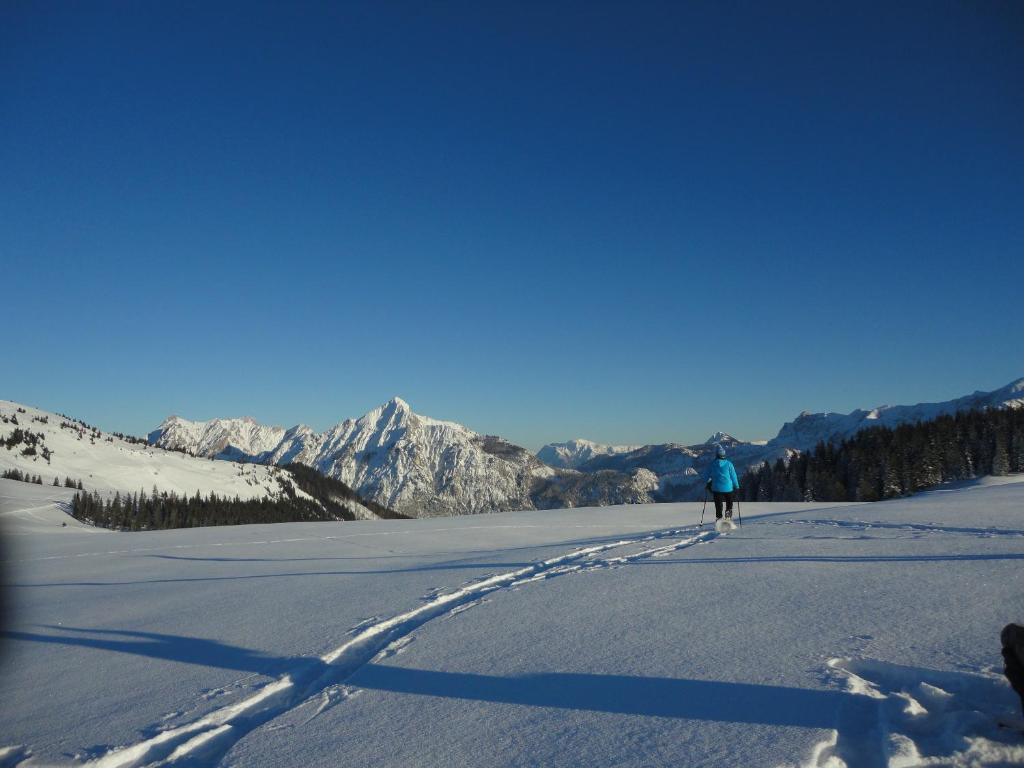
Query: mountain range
[
  {"x": 65, "y": 451},
  {"x": 421, "y": 466},
  {"x": 424, "y": 467}
]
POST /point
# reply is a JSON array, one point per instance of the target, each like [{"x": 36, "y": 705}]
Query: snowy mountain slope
[
  {"x": 415, "y": 464},
  {"x": 571, "y": 454},
  {"x": 808, "y": 429},
  {"x": 27, "y": 508},
  {"x": 590, "y": 636},
  {"x": 106, "y": 463}
]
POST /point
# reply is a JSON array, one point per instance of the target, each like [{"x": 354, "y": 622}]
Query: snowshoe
[{"x": 724, "y": 525}]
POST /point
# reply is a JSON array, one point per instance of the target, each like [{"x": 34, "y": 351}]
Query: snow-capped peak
[
  {"x": 395, "y": 412},
  {"x": 1015, "y": 386}
]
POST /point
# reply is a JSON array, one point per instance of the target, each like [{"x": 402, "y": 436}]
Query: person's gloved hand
[{"x": 708, "y": 485}]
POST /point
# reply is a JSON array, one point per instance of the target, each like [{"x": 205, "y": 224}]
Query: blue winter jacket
[{"x": 722, "y": 475}]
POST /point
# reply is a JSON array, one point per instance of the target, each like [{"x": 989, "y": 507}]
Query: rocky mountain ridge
[
  {"x": 411, "y": 463},
  {"x": 572, "y": 453},
  {"x": 426, "y": 467},
  {"x": 809, "y": 429}
]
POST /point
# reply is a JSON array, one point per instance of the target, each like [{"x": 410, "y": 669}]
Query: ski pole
[
  {"x": 739, "y": 511},
  {"x": 703, "y": 508}
]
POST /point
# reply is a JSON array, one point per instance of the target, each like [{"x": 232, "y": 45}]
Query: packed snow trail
[{"x": 207, "y": 739}]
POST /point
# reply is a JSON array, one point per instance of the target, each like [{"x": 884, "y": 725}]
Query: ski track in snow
[
  {"x": 28, "y": 514},
  {"x": 11, "y": 756},
  {"x": 903, "y": 717},
  {"x": 205, "y": 740}
]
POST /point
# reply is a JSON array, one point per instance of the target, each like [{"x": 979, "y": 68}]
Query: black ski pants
[{"x": 719, "y": 499}]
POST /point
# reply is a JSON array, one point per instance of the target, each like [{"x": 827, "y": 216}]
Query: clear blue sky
[{"x": 633, "y": 222}]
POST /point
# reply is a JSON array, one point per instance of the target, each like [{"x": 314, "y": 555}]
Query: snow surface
[{"x": 815, "y": 635}]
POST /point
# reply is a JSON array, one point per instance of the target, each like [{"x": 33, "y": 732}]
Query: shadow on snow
[
  {"x": 623, "y": 694},
  {"x": 613, "y": 694},
  {"x": 179, "y": 648}
]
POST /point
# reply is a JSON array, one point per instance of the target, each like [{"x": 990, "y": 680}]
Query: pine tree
[
  {"x": 1017, "y": 450},
  {"x": 1000, "y": 455},
  {"x": 880, "y": 463}
]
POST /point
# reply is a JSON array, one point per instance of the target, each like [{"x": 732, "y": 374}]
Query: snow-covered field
[{"x": 815, "y": 635}]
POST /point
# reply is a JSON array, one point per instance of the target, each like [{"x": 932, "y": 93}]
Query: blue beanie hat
[{"x": 720, "y": 451}]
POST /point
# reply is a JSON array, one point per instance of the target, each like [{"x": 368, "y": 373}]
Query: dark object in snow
[
  {"x": 1015, "y": 727},
  {"x": 1012, "y": 638}
]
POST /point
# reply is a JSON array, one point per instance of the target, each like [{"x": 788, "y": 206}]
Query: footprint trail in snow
[{"x": 904, "y": 717}]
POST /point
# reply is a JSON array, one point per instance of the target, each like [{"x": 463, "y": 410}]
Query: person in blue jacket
[{"x": 722, "y": 482}]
